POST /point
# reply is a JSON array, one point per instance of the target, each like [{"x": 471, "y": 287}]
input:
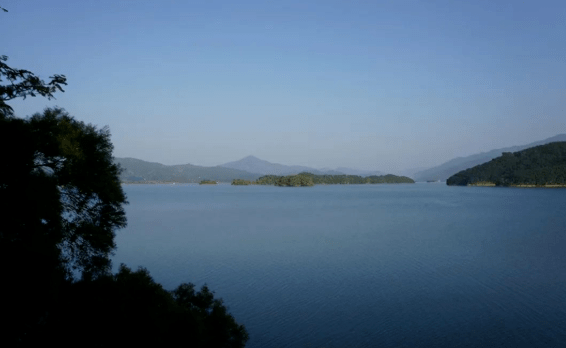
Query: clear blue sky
[{"x": 384, "y": 85}]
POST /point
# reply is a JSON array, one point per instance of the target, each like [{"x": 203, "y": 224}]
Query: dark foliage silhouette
[
  {"x": 131, "y": 309},
  {"x": 61, "y": 203}
]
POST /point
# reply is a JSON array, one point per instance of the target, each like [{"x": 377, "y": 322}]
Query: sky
[{"x": 376, "y": 85}]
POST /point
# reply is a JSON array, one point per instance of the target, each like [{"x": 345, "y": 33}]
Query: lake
[{"x": 407, "y": 265}]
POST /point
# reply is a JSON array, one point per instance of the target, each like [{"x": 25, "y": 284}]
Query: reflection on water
[{"x": 363, "y": 265}]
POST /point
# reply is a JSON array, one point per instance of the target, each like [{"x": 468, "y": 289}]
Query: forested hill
[
  {"x": 445, "y": 170},
  {"x": 135, "y": 170},
  {"x": 543, "y": 165}
]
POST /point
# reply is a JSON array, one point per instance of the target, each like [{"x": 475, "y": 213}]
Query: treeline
[
  {"x": 308, "y": 179},
  {"x": 355, "y": 179},
  {"x": 543, "y": 165}
]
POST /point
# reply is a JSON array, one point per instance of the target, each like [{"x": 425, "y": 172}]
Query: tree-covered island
[
  {"x": 308, "y": 179},
  {"x": 208, "y": 182},
  {"x": 539, "y": 166}
]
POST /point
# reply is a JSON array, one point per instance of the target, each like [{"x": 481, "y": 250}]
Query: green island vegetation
[
  {"x": 208, "y": 182},
  {"x": 539, "y": 166},
  {"x": 308, "y": 179},
  {"x": 294, "y": 180},
  {"x": 355, "y": 179},
  {"x": 241, "y": 182},
  {"x": 62, "y": 202}
]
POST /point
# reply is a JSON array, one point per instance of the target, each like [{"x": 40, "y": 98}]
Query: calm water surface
[{"x": 421, "y": 265}]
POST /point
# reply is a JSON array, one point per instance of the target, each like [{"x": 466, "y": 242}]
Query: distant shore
[
  {"x": 491, "y": 184},
  {"x": 482, "y": 183},
  {"x": 546, "y": 186}
]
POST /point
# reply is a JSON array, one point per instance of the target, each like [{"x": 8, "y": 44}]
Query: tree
[
  {"x": 73, "y": 197},
  {"x": 70, "y": 185},
  {"x": 61, "y": 202},
  {"x": 23, "y": 83}
]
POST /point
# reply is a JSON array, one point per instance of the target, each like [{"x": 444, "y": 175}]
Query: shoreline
[
  {"x": 491, "y": 184},
  {"x": 155, "y": 182},
  {"x": 539, "y": 186},
  {"x": 482, "y": 184}
]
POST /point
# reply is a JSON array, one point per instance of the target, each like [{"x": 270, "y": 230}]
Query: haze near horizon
[{"x": 385, "y": 86}]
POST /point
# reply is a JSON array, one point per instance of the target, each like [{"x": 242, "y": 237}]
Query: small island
[
  {"x": 308, "y": 179},
  {"x": 539, "y": 166},
  {"x": 208, "y": 182}
]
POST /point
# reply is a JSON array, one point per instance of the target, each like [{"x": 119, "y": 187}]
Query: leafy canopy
[
  {"x": 60, "y": 203},
  {"x": 57, "y": 180},
  {"x": 22, "y": 83},
  {"x": 73, "y": 197}
]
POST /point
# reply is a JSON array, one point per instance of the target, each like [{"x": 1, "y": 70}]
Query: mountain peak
[{"x": 253, "y": 164}]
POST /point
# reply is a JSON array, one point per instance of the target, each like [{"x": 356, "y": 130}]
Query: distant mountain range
[
  {"x": 445, "y": 170},
  {"x": 350, "y": 171},
  {"x": 251, "y": 168},
  {"x": 255, "y": 165},
  {"x": 138, "y": 170},
  {"x": 248, "y": 168}
]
